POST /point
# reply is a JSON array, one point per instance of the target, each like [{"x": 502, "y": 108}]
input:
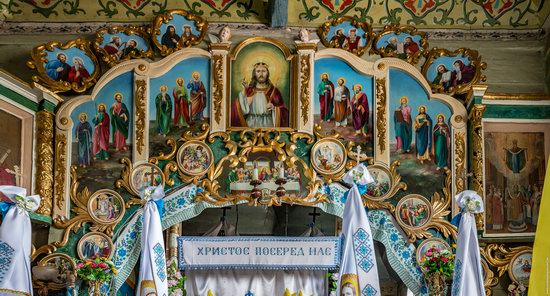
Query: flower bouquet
[
  {"x": 96, "y": 272},
  {"x": 333, "y": 282},
  {"x": 176, "y": 281},
  {"x": 438, "y": 266}
]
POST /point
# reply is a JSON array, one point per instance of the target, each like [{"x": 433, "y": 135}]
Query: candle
[
  {"x": 282, "y": 171},
  {"x": 255, "y": 172}
]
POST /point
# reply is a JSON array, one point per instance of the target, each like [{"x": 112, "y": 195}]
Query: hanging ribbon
[
  {"x": 156, "y": 195},
  {"x": 358, "y": 268},
  {"x": 456, "y": 220},
  {"x": 4, "y": 207},
  {"x": 468, "y": 273},
  {"x": 16, "y": 231},
  {"x": 152, "y": 271},
  {"x": 18, "y": 196},
  {"x": 360, "y": 176}
]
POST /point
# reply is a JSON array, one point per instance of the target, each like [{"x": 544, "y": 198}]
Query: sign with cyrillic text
[{"x": 237, "y": 252}]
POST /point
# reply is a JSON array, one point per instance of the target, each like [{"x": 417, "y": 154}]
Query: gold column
[
  {"x": 306, "y": 63},
  {"x": 219, "y": 86},
  {"x": 381, "y": 106},
  {"x": 44, "y": 161},
  {"x": 476, "y": 115}
]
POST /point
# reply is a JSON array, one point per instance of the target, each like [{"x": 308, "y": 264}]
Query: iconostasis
[{"x": 265, "y": 123}]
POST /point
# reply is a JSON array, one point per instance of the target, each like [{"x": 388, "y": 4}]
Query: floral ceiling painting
[{"x": 478, "y": 14}]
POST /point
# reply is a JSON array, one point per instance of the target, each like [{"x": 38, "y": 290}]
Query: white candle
[
  {"x": 255, "y": 172},
  {"x": 282, "y": 171}
]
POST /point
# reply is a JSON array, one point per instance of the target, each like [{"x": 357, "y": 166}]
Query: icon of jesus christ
[{"x": 259, "y": 103}]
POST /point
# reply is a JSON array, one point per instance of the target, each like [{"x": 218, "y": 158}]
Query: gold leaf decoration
[
  {"x": 44, "y": 161},
  {"x": 141, "y": 90},
  {"x": 381, "y": 120}
]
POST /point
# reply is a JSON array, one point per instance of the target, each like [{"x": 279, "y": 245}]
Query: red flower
[
  {"x": 102, "y": 265},
  {"x": 94, "y": 265},
  {"x": 445, "y": 259}
]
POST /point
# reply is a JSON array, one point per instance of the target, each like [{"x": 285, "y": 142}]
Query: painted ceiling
[{"x": 456, "y": 14}]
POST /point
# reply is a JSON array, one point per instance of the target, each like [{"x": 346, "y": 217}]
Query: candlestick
[
  {"x": 256, "y": 192},
  {"x": 255, "y": 171},
  {"x": 281, "y": 191}
]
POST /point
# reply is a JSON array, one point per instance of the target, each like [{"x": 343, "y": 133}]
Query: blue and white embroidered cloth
[
  {"x": 179, "y": 206},
  {"x": 468, "y": 276},
  {"x": 152, "y": 270},
  {"x": 358, "y": 270},
  {"x": 6, "y": 254},
  {"x": 16, "y": 233}
]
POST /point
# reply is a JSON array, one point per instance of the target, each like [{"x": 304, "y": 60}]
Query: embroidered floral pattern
[
  {"x": 369, "y": 291},
  {"x": 6, "y": 254},
  {"x": 363, "y": 250},
  {"x": 401, "y": 254},
  {"x": 457, "y": 278},
  {"x": 160, "y": 261}
]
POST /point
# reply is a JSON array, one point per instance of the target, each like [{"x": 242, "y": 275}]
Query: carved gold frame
[
  {"x": 317, "y": 145},
  {"x": 472, "y": 55},
  {"x": 425, "y": 242},
  {"x": 290, "y": 57},
  {"x": 44, "y": 262},
  {"x": 127, "y": 175},
  {"x": 324, "y": 29},
  {"x": 439, "y": 210},
  {"x": 397, "y": 30},
  {"x": 510, "y": 266},
  {"x": 395, "y": 181},
  {"x": 200, "y": 23},
  {"x": 489, "y": 279},
  {"x": 180, "y": 161},
  {"x": 250, "y": 141},
  {"x": 38, "y": 58},
  {"x": 81, "y": 200},
  {"x": 500, "y": 256},
  {"x": 131, "y": 30},
  {"x": 405, "y": 199},
  {"x": 115, "y": 195},
  {"x": 83, "y": 239},
  {"x": 396, "y": 185}
]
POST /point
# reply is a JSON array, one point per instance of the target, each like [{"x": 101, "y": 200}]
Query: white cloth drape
[
  {"x": 468, "y": 276},
  {"x": 16, "y": 232},
  {"x": 152, "y": 269},
  {"x": 358, "y": 270},
  {"x": 237, "y": 282}
]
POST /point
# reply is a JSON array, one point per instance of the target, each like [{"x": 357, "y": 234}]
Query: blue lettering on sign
[
  {"x": 209, "y": 255},
  {"x": 279, "y": 251},
  {"x": 320, "y": 251},
  {"x": 222, "y": 251}
]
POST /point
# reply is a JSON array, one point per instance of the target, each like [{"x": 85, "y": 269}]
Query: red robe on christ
[{"x": 273, "y": 95}]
